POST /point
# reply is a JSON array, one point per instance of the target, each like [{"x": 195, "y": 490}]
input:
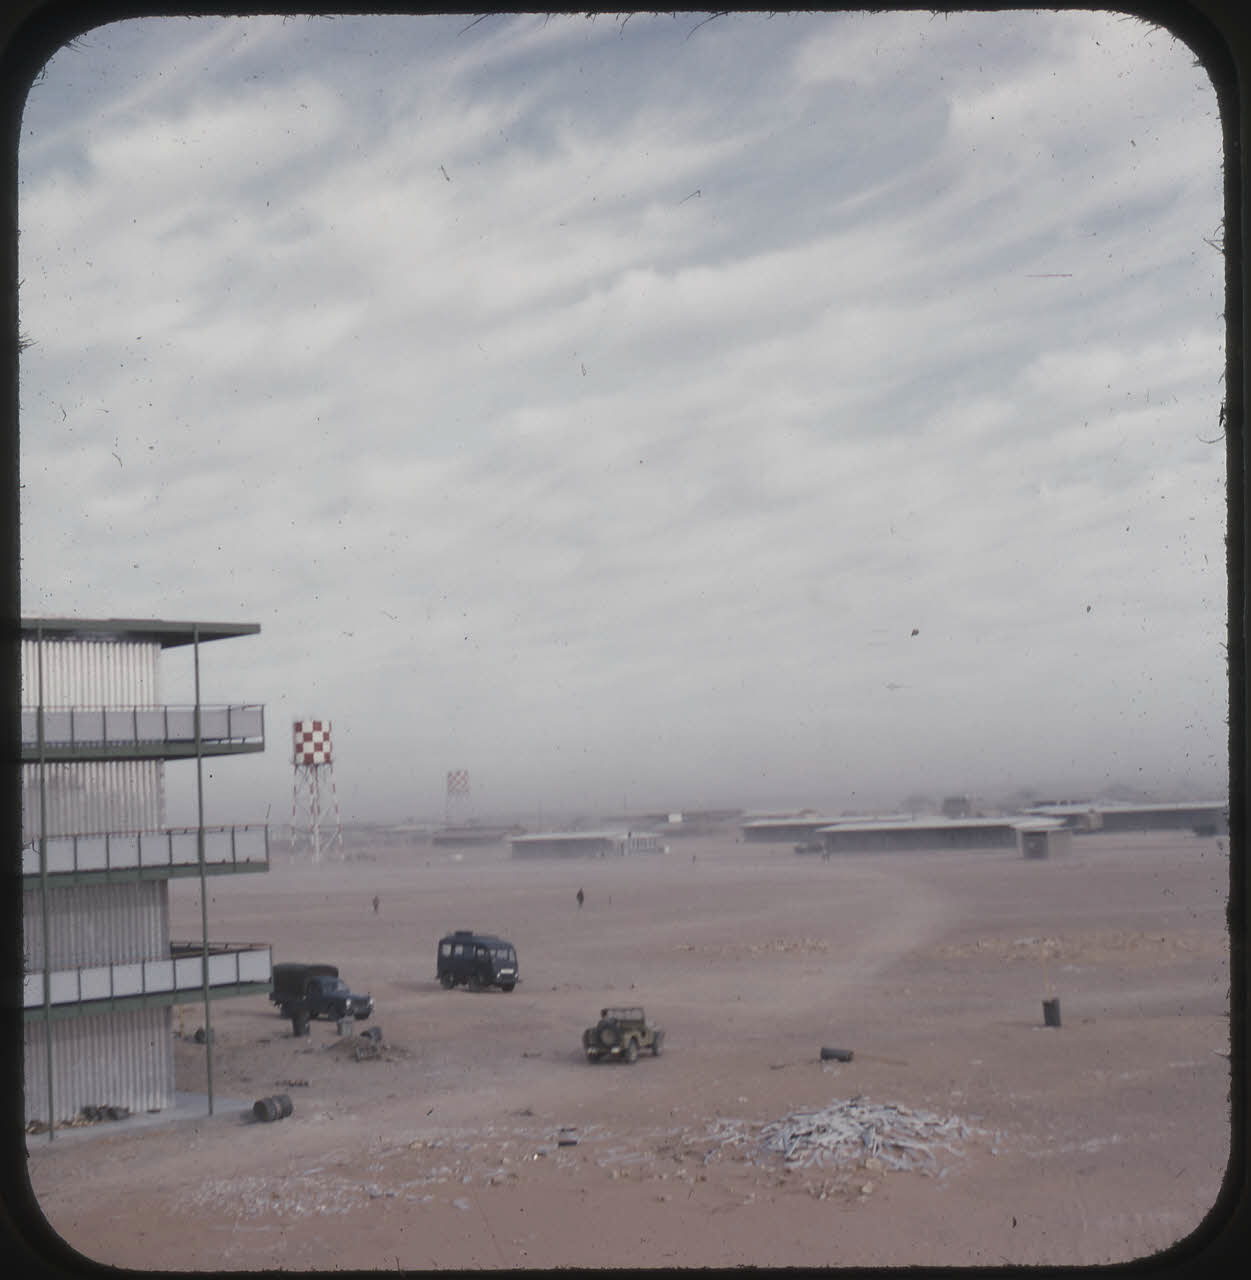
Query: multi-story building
[{"x": 101, "y": 973}]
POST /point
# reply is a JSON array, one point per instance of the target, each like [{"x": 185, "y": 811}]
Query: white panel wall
[
  {"x": 98, "y": 924},
  {"x": 116, "y": 1059}
]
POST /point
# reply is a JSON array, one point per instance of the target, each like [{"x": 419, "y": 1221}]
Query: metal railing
[
  {"x": 230, "y": 964},
  {"x": 245, "y": 847},
  {"x": 134, "y": 726}
]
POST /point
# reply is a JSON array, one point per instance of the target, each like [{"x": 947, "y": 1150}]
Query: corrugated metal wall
[
  {"x": 98, "y": 924},
  {"x": 116, "y": 1059},
  {"x": 94, "y": 797},
  {"x": 92, "y": 673}
]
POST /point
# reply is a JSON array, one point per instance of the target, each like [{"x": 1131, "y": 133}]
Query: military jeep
[{"x": 621, "y": 1033}]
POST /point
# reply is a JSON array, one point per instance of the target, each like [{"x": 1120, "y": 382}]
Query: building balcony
[
  {"x": 234, "y": 969},
  {"x": 140, "y": 733},
  {"x": 147, "y": 855}
]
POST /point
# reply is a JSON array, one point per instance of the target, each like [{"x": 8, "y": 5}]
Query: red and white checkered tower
[
  {"x": 314, "y": 771},
  {"x": 457, "y": 812}
]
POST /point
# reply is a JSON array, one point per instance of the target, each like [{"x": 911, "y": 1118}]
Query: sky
[{"x": 642, "y": 413}]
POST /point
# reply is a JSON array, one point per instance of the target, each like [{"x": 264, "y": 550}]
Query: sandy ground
[{"x": 1102, "y": 1140}]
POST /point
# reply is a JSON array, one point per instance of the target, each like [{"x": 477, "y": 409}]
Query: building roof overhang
[{"x": 166, "y": 633}]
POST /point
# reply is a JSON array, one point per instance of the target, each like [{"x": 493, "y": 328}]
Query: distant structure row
[
  {"x": 585, "y": 844},
  {"x": 1037, "y": 832}
]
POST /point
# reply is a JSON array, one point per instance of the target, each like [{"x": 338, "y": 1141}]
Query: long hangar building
[
  {"x": 101, "y": 972},
  {"x": 1038, "y": 832}
]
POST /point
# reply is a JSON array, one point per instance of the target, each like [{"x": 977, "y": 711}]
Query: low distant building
[
  {"x": 1044, "y": 837},
  {"x": 807, "y": 832},
  {"x": 1203, "y": 819},
  {"x": 585, "y": 844},
  {"x": 918, "y": 834},
  {"x": 471, "y": 834},
  {"x": 1206, "y": 818},
  {"x": 1076, "y": 815},
  {"x": 683, "y": 822},
  {"x": 784, "y": 830}
]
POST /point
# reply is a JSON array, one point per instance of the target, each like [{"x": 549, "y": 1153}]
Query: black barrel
[
  {"x": 836, "y": 1055},
  {"x": 265, "y": 1109}
]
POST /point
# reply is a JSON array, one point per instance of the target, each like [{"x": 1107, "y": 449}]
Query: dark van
[{"x": 477, "y": 960}]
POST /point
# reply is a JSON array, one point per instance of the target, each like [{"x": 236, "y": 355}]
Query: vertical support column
[
  {"x": 43, "y": 888},
  {"x": 315, "y": 805},
  {"x": 204, "y": 946}
]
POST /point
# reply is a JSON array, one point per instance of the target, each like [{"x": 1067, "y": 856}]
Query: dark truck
[
  {"x": 316, "y": 991},
  {"x": 476, "y": 960}
]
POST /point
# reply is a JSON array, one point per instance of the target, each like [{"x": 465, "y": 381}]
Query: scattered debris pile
[
  {"x": 771, "y": 946},
  {"x": 366, "y": 1047},
  {"x": 93, "y": 1115},
  {"x": 851, "y": 1132},
  {"x": 87, "y": 1116}
]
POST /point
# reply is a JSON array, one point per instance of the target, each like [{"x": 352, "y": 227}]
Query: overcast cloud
[{"x": 792, "y": 410}]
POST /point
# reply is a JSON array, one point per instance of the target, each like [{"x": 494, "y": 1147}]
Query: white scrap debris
[
  {"x": 725, "y": 1132},
  {"x": 856, "y": 1130}
]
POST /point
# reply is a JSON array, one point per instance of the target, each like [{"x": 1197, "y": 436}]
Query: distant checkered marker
[
  {"x": 312, "y": 742},
  {"x": 314, "y": 774}
]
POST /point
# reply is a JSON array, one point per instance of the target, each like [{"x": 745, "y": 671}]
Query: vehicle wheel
[
  {"x": 447, "y": 980},
  {"x": 592, "y": 1055},
  {"x": 658, "y": 1043},
  {"x": 507, "y": 986},
  {"x": 361, "y": 1015},
  {"x": 632, "y": 1050},
  {"x": 607, "y": 1033}
]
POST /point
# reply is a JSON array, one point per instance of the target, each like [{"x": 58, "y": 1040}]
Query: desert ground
[{"x": 479, "y": 1137}]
